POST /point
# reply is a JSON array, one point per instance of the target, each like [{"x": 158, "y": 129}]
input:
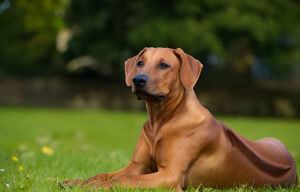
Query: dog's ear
[
  {"x": 190, "y": 69},
  {"x": 129, "y": 66}
]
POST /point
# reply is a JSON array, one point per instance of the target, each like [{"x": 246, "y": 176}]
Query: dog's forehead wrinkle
[{"x": 156, "y": 55}]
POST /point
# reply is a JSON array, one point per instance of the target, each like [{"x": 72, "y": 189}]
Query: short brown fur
[{"x": 182, "y": 144}]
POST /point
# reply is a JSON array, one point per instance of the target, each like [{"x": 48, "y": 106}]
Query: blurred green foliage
[
  {"x": 230, "y": 35},
  {"x": 28, "y": 33}
]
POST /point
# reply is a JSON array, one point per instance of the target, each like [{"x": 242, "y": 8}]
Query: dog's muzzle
[{"x": 139, "y": 81}]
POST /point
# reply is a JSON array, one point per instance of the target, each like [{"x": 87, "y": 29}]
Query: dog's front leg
[
  {"x": 133, "y": 168},
  {"x": 164, "y": 178}
]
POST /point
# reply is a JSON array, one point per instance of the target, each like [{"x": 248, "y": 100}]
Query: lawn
[{"x": 53, "y": 145}]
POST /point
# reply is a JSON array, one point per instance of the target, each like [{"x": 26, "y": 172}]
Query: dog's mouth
[{"x": 143, "y": 95}]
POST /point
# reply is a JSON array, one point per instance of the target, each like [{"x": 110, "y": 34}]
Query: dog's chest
[
  {"x": 152, "y": 142},
  {"x": 159, "y": 146},
  {"x": 154, "y": 138}
]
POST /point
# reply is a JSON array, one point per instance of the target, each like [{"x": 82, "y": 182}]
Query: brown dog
[{"x": 182, "y": 144}]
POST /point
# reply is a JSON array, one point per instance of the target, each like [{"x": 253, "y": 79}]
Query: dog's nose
[{"x": 139, "y": 80}]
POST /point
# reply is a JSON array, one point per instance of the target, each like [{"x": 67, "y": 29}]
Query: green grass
[{"x": 89, "y": 142}]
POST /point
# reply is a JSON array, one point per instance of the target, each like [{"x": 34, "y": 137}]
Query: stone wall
[{"x": 268, "y": 99}]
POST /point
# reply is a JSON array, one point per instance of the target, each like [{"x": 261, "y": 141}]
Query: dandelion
[
  {"x": 47, "y": 150},
  {"x": 14, "y": 158},
  {"x": 21, "y": 168}
]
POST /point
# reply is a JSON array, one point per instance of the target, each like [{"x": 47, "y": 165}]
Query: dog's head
[{"x": 155, "y": 72}]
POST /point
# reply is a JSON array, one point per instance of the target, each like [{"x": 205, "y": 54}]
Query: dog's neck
[{"x": 159, "y": 112}]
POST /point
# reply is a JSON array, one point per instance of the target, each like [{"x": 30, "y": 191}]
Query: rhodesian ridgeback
[{"x": 182, "y": 144}]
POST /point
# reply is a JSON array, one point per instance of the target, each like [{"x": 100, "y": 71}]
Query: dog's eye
[
  {"x": 163, "y": 65},
  {"x": 140, "y": 63}
]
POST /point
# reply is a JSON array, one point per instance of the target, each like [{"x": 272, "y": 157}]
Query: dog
[{"x": 182, "y": 144}]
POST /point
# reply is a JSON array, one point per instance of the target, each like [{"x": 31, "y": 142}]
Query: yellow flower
[
  {"x": 14, "y": 158},
  {"x": 47, "y": 150},
  {"x": 21, "y": 168}
]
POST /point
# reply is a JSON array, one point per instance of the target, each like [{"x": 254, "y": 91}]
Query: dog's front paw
[
  {"x": 97, "y": 181},
  {"x": 98, "y": 178},
  {"x": 72, "y": 182}
]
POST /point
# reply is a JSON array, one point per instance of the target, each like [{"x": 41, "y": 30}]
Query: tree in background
[
  {"x": 28, "y": 32},
  {"x": 230, "y": 36},
  {"x": 235, "y": 39}
]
